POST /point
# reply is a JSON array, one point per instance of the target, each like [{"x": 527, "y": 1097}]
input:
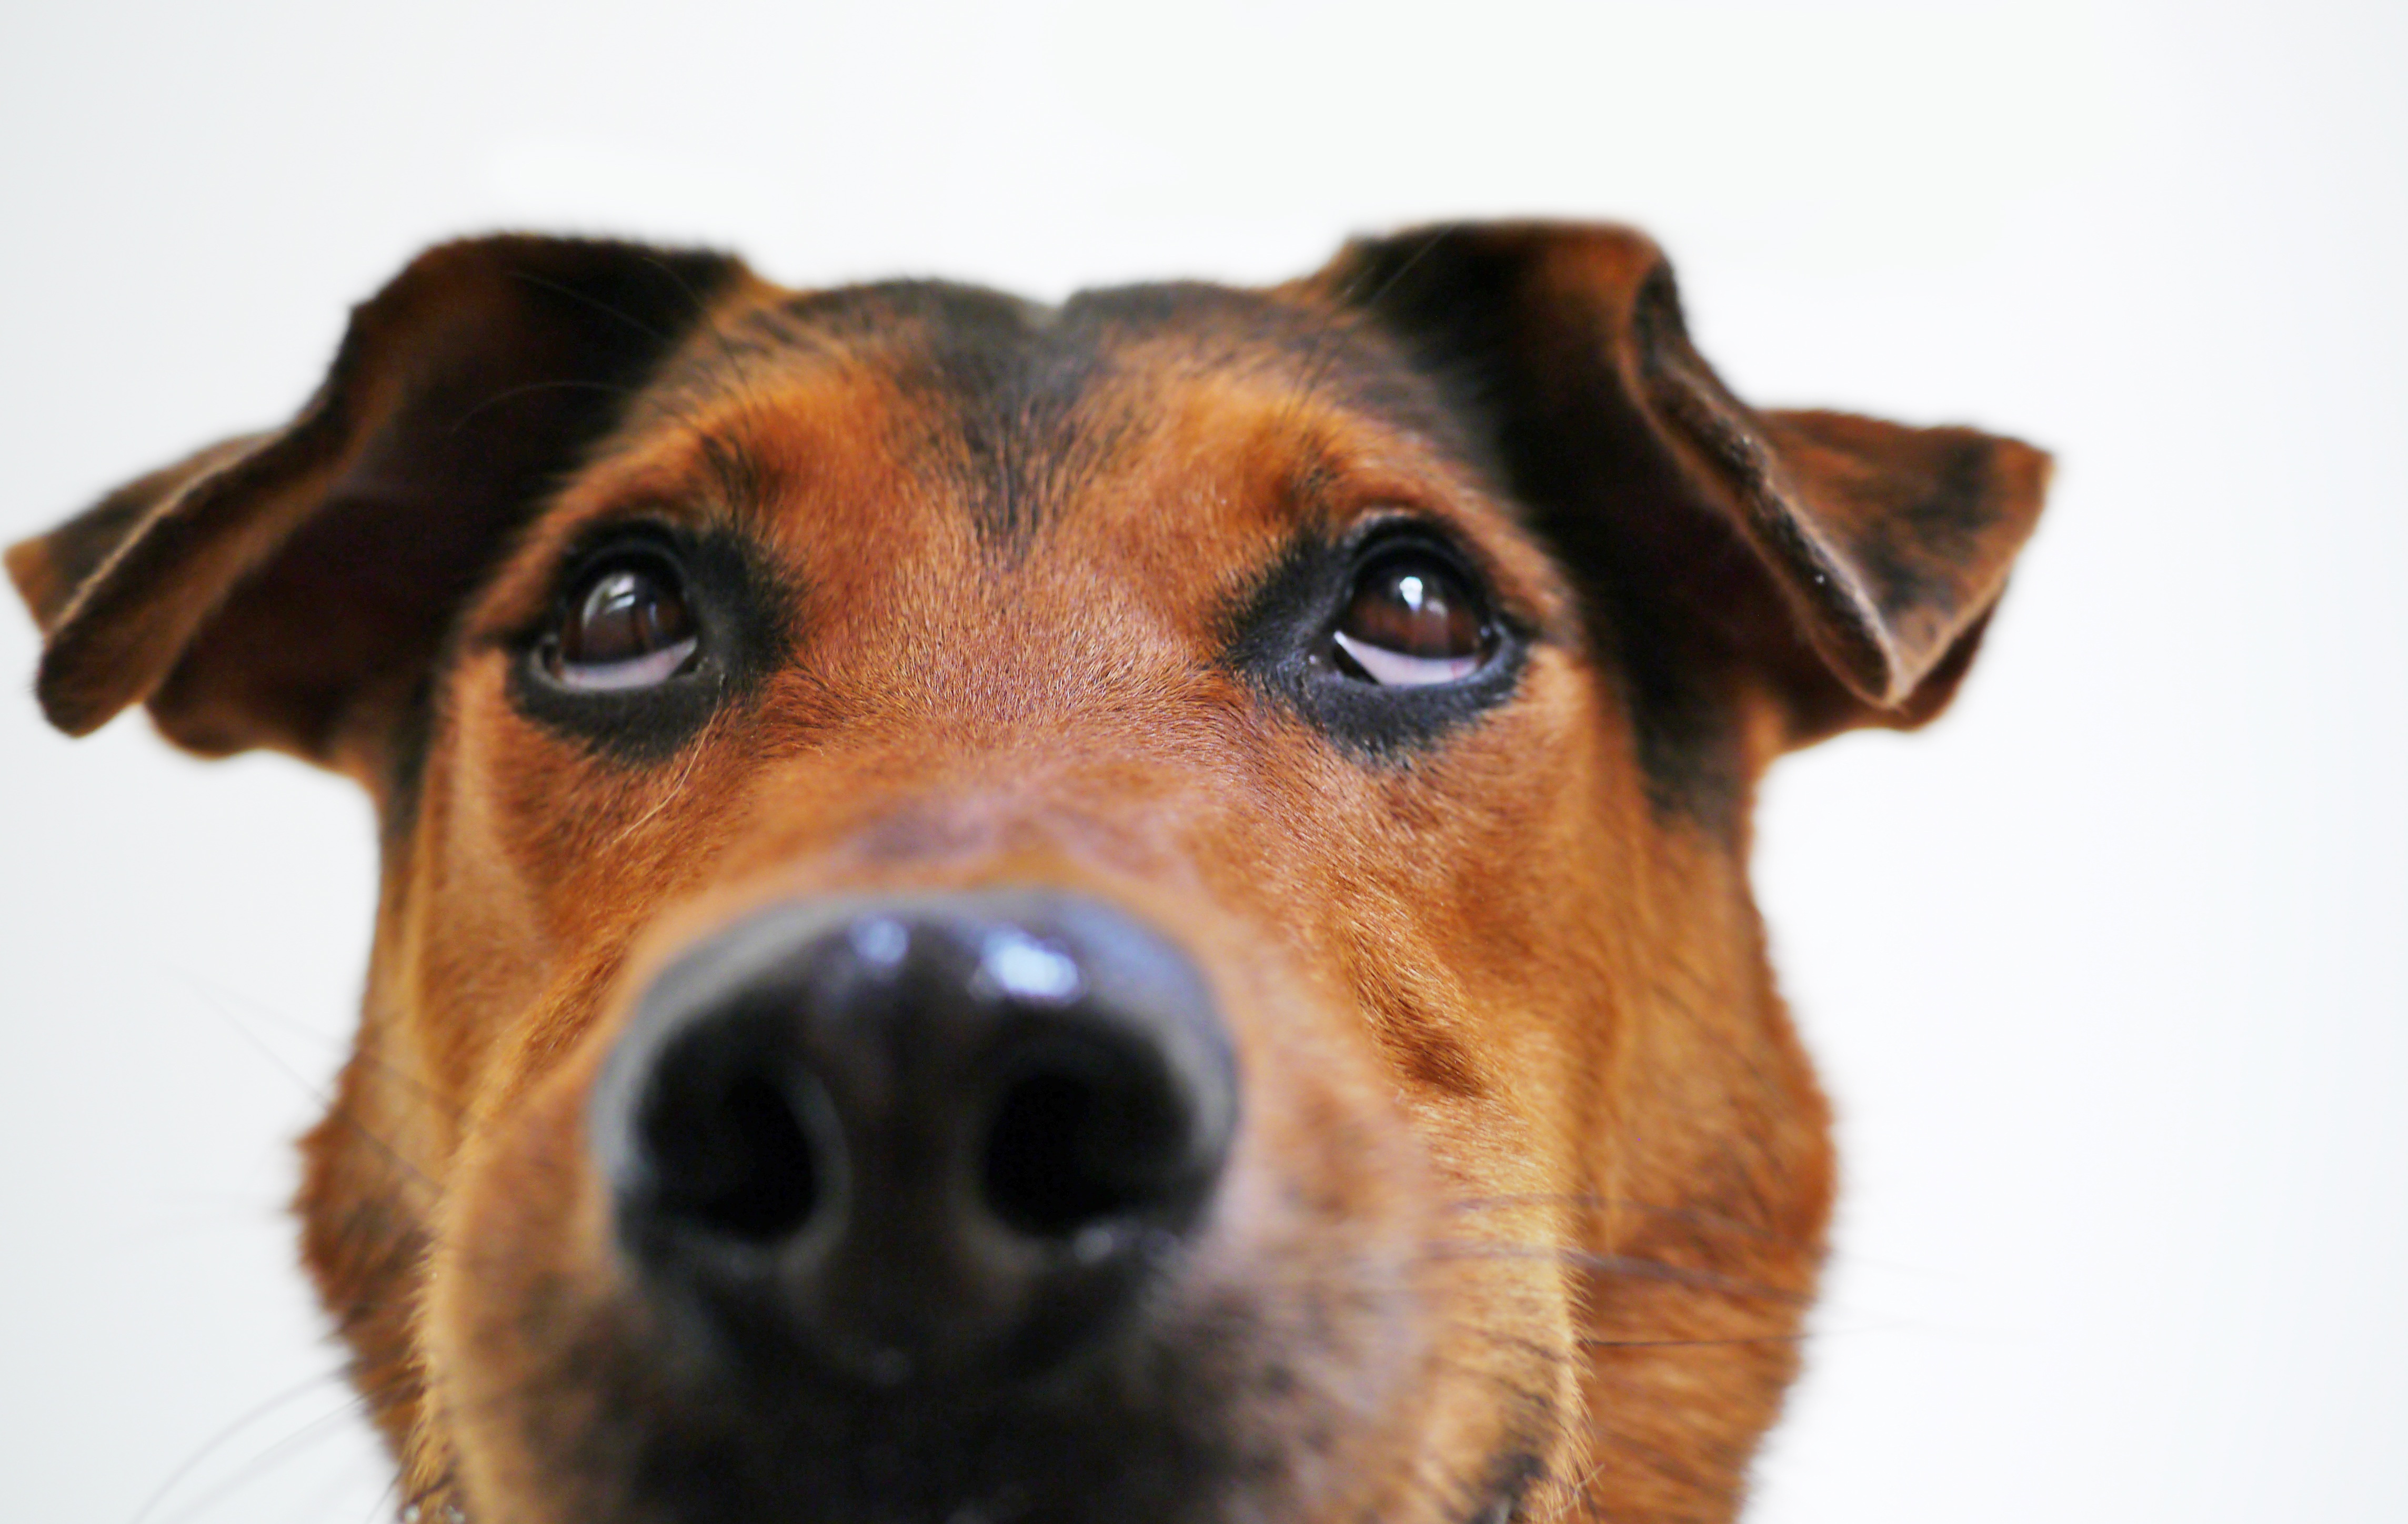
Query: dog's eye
[
  {"x": 1412, "y": 620},
  {"x": 626, "y": 626}
]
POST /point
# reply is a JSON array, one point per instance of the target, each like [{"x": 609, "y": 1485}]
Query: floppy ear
[
  {"x": 290, "y": 589},
  {"x": 1843, "y": 564}
]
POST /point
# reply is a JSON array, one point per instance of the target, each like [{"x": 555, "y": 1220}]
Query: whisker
[
  {"x": 693, "y": 754},
  {"x": 587, "y": 299},
  {"x": 387, "y": 1501},
  {"x": 412, "y": 1172},
  {"x": 1694, "y": 1215},
  {"x": 358, "y": 1050},
  {"x": 702, "y": 318},
  {"x": 1514, "y": 1341},
  {"x": 508, "y": 393},
  {"x": 316, "y": 1431},
  {"x": 1612, "y": 1264},
  {"x": 1353, "y": 310},
  {"x": 1592, "y": 1343},
  {"x": 210, "y": 1446},
  {"x": 667, "y": 342}
]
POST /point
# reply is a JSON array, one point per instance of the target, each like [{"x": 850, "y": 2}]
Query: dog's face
[{"x": 1135, "y": 910}]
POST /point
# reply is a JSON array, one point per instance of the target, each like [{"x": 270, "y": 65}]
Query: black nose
[{"x": 939, "y": 1139}]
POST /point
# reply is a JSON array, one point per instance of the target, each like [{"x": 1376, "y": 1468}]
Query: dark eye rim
[
  {"x": 745, "y": 621},
  {"x": 1280, "y": 630}
]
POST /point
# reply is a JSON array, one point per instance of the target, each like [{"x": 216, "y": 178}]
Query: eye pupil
[{"x": 628, "y": 627}]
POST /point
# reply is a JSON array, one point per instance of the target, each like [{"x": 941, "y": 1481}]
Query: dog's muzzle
[{"x": 940, "y": 1143}]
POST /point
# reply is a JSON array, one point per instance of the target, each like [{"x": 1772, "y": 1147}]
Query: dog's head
[{"x": 1131, "y": 910}]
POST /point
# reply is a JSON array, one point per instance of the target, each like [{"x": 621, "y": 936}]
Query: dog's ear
[
  {"x": 1843, "y": 565},
  {"x": 289, "y": 588}
]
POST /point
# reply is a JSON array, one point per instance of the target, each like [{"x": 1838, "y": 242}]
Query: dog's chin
[
  {"x": 1216, "y": 1425},
  {"x": 680, "y": 1482},
  {"x": 1215, "y": 1419}
]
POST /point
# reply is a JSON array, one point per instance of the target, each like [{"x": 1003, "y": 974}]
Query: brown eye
[
  {"x": 1412, "y": 620},
  {"x": 627, "y": 626}
]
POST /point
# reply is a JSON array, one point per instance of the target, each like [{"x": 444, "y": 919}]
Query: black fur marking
[
  {"x": 1020, "y": 394},
  {"x": 745, "y": 624},
  {"x": 644, "y": 292},
  {"x": 1508, "y": 1487},
  {"x": 451, "y": 433},
  {"x": 78, "y": 548},
  {"x": 1655, "y": 573},
  {"x": 411, "y": 738},
  {"x": 1003, "y": 379},
  {"x": 1913, "y": 563}
]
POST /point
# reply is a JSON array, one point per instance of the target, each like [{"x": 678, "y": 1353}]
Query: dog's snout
[{"x": 943, "y": 1138}]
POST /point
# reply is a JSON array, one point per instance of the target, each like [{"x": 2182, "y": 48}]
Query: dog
[{"x": 993, "y": 912}]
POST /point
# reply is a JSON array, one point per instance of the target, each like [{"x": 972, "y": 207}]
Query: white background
[{"x": 2106, "y": 972}]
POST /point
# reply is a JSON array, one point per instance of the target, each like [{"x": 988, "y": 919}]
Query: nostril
[
  {"x": 732, "y": 1153},
  {"x": 1080, "y": 1136}
]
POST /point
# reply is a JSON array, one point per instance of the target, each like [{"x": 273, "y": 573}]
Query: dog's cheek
[
  {"x": 465, "y": 941},
  {"x": 1368, "y": 1374},
  {"x": 366, "y": 1186},
  {"x": 532, "y": 867},
  {"x": 1427, "y": 1099},
  {"x": 1318, "y": 1235},
  {"x": 522, "y": 1303},
  {"x": 1499, "y": 996}
]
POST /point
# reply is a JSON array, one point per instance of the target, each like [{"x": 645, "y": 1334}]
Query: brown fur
[{"x": 1527, "y": 1209}]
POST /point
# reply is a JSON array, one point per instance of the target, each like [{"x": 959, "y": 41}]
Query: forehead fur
[{"x": 1020, "y": 401}]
